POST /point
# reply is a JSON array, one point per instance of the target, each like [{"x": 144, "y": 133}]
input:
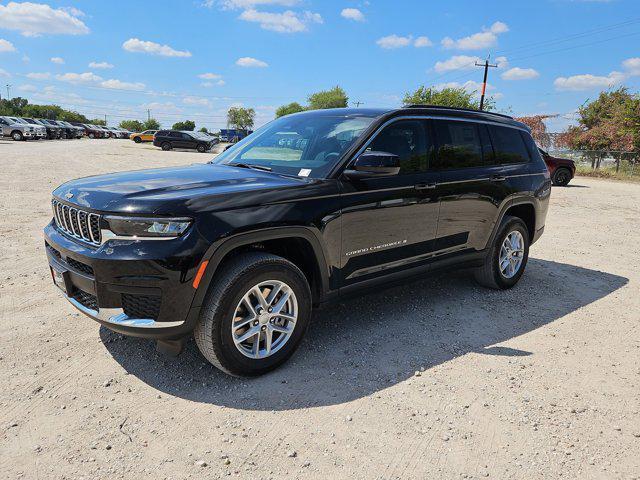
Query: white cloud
[
  {"x": 4, "y": 73},
  {"x": 57, "y": 60},
  {"x": 588, "y": 81},
  {"x": 251, "y": 62},
  {"x": 457, "y": 62},
  {"x": 87, "y": 77},
  {"x": 28, "y": 88},
  {"x": 102, "y": 65},
  {"x": 152, "y": 48},
  {"x": 190, "y": 100},
  {"x": 422, "y": 42},
  {"x": 34, "y": 19},
  {"x": 210, "y": 76},
  {"x": 478, "y": 41},
  {"x": 517, "y": 73},
  {"x": 26, "y": 58},
  {"x": 218, "y": 83},
  {"x": 632, "y": 66},
  {"x": 353, "y": 14},
  {"x": 38, "y": 75},
  {"x": 120, "y": 85},
  {"x": 502, "y": 62},
  {"x": 6, "y": 46},
  {"x": 242, "y": 4},
  {"x": 394, "y": 41},
  {"x": 285, "y": 22}
]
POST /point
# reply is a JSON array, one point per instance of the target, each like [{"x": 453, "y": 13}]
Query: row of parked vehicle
[{"x": 26, "y": 128}]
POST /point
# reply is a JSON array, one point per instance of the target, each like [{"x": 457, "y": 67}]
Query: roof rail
[{"x": 418, "y": 105}]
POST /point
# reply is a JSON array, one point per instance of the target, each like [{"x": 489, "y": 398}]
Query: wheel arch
[
  {"x": 300, "y": 245},
  {"x": 523, "y": 208}
]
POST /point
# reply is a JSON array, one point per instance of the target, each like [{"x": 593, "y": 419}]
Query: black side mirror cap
[{"x": 374, "y": 164}]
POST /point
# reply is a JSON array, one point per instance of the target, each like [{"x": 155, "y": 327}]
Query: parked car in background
[
  {"x": 52, "y": 123},
  {"x": 233, "y": 135},
  {"x": 122, "y": 133},
  {"x": 146, "y": 136},
  {"x": 170, "y": 139},
  {"x": 53, "y": 132},
  {"x": 16, "y": 130},
  {"x": 41, "y": 130},
  {"x": 69, "y": 130},
  {"x": 89, "y": 130},
  {"x": 562, "y": 170}
]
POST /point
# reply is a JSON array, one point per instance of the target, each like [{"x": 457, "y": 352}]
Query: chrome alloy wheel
[
  {"x": 264, "y": 319},
  {"x": 511, "y": 254}
]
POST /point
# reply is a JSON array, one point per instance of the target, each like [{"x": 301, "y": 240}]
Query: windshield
[{"x": 302, "y": 145}]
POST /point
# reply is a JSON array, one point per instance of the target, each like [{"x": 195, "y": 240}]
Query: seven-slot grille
[{"x": 77, "y": 223}]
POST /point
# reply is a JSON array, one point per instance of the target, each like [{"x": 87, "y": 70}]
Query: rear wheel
[
  {"x": 92, "y": 135},
  {"x": 17, "y": 136},
  {"x": 201, "y": 148},
  {"x": 561, "y": 177},
  {"x": 507, "y": 257},
  {"x": 137, "y": 139},
  {"x": 255, "y": 314},
  {"x": 166, "y": 146}
]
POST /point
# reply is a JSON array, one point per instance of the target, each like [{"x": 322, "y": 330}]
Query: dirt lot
[{"x": 435, "y": 379}]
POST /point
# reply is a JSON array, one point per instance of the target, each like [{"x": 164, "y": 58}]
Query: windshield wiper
[{"x": 248, "y": 165}]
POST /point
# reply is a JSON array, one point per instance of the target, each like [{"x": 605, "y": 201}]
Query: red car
[{"x": 562, "y": 170}]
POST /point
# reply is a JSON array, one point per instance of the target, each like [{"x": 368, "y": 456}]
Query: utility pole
[
  {"x": 148, "y": 114},
  {"x": 358, "y": 103},
  {"x": 486, "y": 66},
  {"x": 8, "y": 94}
]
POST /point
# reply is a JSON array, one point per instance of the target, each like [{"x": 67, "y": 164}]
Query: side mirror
[{"x": 374, "y": 164}]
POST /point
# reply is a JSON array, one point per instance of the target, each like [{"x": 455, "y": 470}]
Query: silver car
[{"x": 21, "y": 130}]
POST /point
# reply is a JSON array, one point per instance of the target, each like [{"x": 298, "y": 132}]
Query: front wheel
[
  {"x": 201, "y": 148},
  {"x": 255, "y": 314},
  {"x": 92, "y": 135},
  {"x": 561, "y": 177},
  {"x": 137, "y": 139},
  {"x": 507, "y": 257},
  {"x": 17, "y": 136}
]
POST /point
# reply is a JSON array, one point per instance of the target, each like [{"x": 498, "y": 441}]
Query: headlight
[{"x": 147, "y": 227}]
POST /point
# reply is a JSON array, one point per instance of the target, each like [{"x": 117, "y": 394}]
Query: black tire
[
  {"x": 489, "y": 275},
  {"x": 561, "y": 177},
  {"x": 166, "y": 146},
  {"x": 137, "y": 139},
  {"x": 213, "y": 331},
  {"x": 201, "y": 148},
  {"x": 92, "y": 135},
  {"x": 17, "y": 136}
]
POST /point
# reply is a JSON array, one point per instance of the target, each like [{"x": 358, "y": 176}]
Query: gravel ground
[{"x": 435, "y": 379}]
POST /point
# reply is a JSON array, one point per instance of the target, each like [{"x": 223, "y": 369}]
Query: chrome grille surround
[{"x": 77, "y": 223}]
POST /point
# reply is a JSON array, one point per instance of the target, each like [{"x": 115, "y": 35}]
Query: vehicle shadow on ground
[{"x": 361, "y": 346}]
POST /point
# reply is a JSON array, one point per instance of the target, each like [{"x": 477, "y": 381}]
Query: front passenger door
[{"x": 389, "y": 223}]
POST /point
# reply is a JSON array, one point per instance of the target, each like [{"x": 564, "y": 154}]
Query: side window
[
  {"x": 409, "y": 140},
  {"x": 508, "y": 145},
  {"x": 186, "y": 136},
  {"x": 459, "y": 145}
]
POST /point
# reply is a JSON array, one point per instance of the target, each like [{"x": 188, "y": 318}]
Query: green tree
[
  {"x": 98, "y": 121},
  {"x": 132, "y": 125},
  {"x": 151, "y": 124},
  {"x": 187, "y": 125},
  {"x": 204, "y": 130},
  {"x": 293, "y": 107},
  {"x": 334, "y": 98},
  {"x": 458, "y": 97},
  {"x": 241, "y": 118}
]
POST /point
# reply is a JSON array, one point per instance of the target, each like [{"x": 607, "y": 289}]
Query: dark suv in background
[
  {"x": 309, "y": 208},
  {"x": 562, "y": 170},
  {"x": 170, "y": 139},
  {"x": 53, "y": 132}
]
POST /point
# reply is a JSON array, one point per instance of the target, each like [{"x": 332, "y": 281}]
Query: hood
[{"x": 173, "y": 191}]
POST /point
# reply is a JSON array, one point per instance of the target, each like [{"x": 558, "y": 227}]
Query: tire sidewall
[
  {"x": 166, "y": 147},
  {"x": 137, "y": 139},
  {"x": 201, "y": 148},
  {"x": 17, "y": 136},
  {"x": 233, "y": 359},
  {"x": 561, "y": 177},
  {"x": 512, "y": 224}
]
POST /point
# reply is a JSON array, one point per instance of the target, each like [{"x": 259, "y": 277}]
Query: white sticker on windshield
[{"x": 304, "y": 172}]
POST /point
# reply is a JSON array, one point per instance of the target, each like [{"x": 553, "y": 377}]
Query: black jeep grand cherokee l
[{"x": 306, "y": 209}]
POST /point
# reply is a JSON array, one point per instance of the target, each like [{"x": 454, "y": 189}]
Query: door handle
[
  {"x": 425, "y": 186},
  {"x": 498, "y": 178}
]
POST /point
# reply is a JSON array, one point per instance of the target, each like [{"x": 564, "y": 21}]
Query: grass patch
[{"x": 609, "y": 171}]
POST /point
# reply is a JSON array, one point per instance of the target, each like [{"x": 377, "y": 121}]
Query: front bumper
[{"x": 138, "y": 288}]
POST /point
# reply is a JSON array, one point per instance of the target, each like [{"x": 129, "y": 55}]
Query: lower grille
[
  {"x": 81, "y": 267},
  {"x": 141, "y": 306},
  {"x": 53, "y": 251},
  {"x": 86, "y": 299}
]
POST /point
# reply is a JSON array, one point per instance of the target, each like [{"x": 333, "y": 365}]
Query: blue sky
[{"x": 195, "y": 58}]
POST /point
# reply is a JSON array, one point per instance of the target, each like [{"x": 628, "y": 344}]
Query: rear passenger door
[{"x": 471, "y": 188}]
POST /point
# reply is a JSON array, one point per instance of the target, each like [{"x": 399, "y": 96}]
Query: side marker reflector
[{"x": 201, "y": 269}]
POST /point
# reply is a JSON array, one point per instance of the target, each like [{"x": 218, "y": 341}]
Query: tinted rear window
[
  {"x": 508, "y": 145},
  {"x": 459, "y": 145}
]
